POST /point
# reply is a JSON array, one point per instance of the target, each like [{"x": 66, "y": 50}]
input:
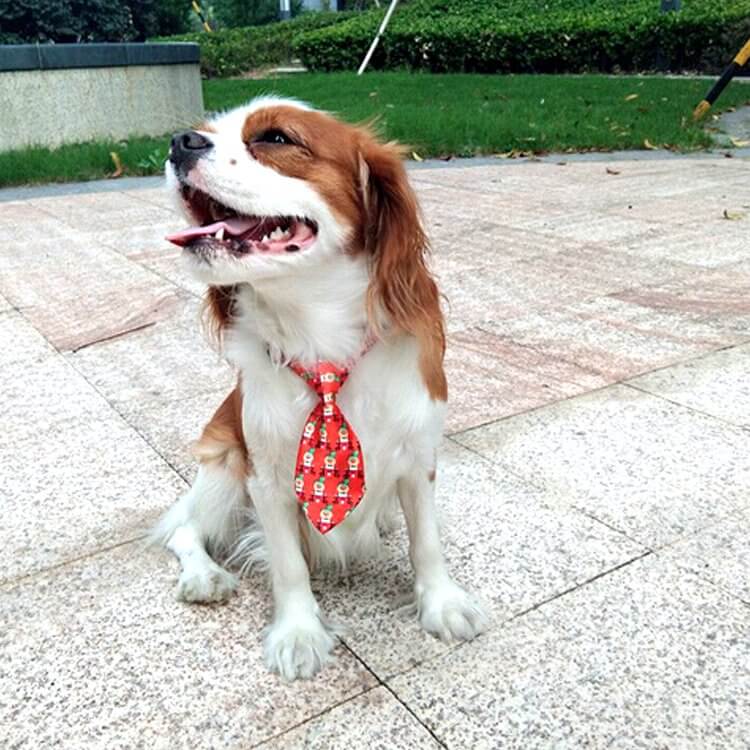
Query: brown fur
[
  {"x": 222, "y": 442},
  {"x": 218, "y": 312},
  {"x": 401, "y": 281}
]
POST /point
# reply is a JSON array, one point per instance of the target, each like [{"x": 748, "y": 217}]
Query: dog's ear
[
  {"x": 218, "y": 312},
  {"x": 401, "y": 284}
]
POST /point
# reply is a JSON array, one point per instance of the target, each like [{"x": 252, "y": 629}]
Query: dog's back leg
[{"x": 208, "y": 518}]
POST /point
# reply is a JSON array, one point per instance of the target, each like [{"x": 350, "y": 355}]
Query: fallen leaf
[
  {"x": 612, "y": 171},
  {"x": 416, "y": 156},
  {"x": 630, "y": 97},
  {"x": 647, "y": 143},
  {"x": 737, "y": 143},
  {"x": 733, "y": 215},
  {"x": 118, "y": 165}
]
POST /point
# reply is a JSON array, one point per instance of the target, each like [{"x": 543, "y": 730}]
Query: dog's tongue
[{"x": 236, "y": 226}]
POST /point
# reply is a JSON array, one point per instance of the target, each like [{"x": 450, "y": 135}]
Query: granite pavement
[{"x": 594, "y": 480}]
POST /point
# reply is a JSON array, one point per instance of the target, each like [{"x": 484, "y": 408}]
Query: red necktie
[{"x": 330, "y": 470}]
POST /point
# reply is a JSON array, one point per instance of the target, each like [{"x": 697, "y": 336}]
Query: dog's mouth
[{"x": 222, "y": 228}]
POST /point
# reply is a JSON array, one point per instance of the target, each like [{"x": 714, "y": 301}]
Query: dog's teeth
[
  {"x": 277, "y": 234},
  {"x": 265, "y": 238},
  {"x": 219, "y": 234}
]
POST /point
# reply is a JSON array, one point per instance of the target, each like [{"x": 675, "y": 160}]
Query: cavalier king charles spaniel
[{"x": 309, "y": 237}]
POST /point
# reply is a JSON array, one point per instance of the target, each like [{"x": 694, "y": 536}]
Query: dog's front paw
[
  {"x": 298, "y": 646},
  {"x": 450, "y": 612},
  {"x": 206, "y": 584}
]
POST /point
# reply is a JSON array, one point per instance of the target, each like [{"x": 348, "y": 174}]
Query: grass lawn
[{"x": 438, "y": 115}]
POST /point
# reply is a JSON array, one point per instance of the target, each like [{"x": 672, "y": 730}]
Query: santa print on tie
[{"x": 330, "y": 470}]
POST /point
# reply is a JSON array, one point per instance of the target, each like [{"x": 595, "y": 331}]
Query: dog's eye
[{"x": 273, "y": 136}]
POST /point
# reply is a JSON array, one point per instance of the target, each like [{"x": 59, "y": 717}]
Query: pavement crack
[
  {"x": 723, "y": 421},
  {"x": 72, "y": 560},
  {"x": 383, "y": 683},
  {"x": 581, "y": 585},
  {"x": 325, "y": 711},
  {"x": 113, "y": 336}
]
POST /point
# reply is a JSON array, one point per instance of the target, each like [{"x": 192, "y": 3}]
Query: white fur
[{"x": 309, "y": 306}]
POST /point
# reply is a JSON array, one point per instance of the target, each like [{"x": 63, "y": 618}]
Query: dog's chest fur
[{"x": 384, "y": 399}]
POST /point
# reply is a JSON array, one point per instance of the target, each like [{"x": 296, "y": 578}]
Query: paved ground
[{"x": 594, "y": 479}]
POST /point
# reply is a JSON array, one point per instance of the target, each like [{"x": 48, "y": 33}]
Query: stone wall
[{"x": 50, "y": 106}]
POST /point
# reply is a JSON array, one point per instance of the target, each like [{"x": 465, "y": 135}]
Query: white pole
[
  {"x": 285, "y": 10},
  {"x": 375, "y": 41}
]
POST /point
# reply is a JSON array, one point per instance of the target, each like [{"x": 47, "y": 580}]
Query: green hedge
[
  {"x": 229, "y": 52},
  {"x": 542, "y": 36}
]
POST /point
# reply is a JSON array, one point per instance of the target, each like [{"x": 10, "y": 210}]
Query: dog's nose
[{"x": 188, "y": 146}]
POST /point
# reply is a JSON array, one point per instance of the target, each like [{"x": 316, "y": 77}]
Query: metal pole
[
  {"x": 739, "y": 61},
  {"x": 285, "y": 9},
  {"x": 375, "y": 41},
  {"x": 667, "y": 5}
]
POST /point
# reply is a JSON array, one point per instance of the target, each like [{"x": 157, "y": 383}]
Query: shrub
[
  {"x": 552, "y": 36},
  {"x": 88, "y": 20},
  {"x": 232, "y": 51}
]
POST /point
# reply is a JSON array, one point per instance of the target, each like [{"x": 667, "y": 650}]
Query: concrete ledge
[
  {"x": 61, "y": 56},
  {"x": 73, "y": 93}
]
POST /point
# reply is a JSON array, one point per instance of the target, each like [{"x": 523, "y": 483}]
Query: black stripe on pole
[{"x": 721, "y": 84}]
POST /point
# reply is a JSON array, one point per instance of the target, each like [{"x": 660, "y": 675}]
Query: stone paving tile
[
  {"x": 607, "y": 339},
  {"x": 716, "y": 384},
  {"x": 650, "y": 468},
  {"x": 512, "y": 207},
  {"x": 490, "y": 377},
  {"x": 146, "y": 239},
  {"x": 706, "y": 209},
  {"x": 504, "y": 539},
  {"x": 40, "y": 393},
  {"x": 372, "y": 721},
  {"x": 648, "y": 653},
  {"x": 168, "y": 264},
  {"x": 457, "y": 243},
  {"x": 154, "y": 196},
  {"x": 21, "y": 342},
  {"x": 78, "y": 323},
  {"x": 75, "y": 486},
  {"x": 98, "y": 211},
  {"x": 171, "y": 360},
  {"x": 171, "y": 426},
  {"x": 99, "y": 654},
  {"x": 16, "y": 216},
  {"x": 50, "y": 272},
  {"x": 706, "y": 243},
  {"x": 718, "y": 296},
  {"x": 719, "y": 554},
  {"x": 489, "y": 288}
]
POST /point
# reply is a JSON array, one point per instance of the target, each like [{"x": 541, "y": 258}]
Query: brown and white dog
[{"x": 309, "y": 237}]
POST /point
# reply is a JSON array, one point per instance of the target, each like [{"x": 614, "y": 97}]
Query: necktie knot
[{"x": 325, "y": 378}]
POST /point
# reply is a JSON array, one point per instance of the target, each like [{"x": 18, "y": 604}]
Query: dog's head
[{"x": 275, "y": 186}]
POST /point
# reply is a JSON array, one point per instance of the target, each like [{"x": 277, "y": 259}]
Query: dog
[{"x": 309, "y": 238}]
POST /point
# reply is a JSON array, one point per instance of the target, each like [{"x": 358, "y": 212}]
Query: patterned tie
[{"x": 330, "y": 471}]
